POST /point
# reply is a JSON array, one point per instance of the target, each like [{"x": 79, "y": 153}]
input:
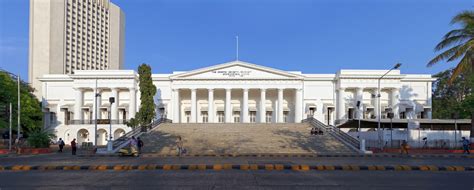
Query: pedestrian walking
[
  {"x": 425, "y": 143},
  {"x": 61, "y": 145},
  {"x": 179, "y": 144},
  {"x": 465, "y": 145},
  {"x": 133, "y": 144},
  {"x": 139, "y": 145},
  {"x": 73, "y": 146},
  {"x": 404, "y": 147}
]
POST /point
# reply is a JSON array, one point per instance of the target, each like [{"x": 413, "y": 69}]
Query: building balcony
[{"x": 99, "y": 121}]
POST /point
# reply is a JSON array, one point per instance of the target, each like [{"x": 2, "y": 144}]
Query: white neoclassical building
[{"x": 233, "y": 92}]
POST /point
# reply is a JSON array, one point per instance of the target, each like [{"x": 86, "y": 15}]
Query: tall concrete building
[{"x": 69, "y": 35}]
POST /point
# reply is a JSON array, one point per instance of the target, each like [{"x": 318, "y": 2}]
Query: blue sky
[{"x": 311, "y": 36}]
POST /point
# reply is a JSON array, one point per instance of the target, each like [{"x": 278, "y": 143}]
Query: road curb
[
  {"x": 243, "y": 167},
  {"x": 152, "y": 155}
]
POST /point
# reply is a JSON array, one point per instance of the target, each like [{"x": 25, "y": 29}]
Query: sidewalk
[{"x": 421, "y": 151}]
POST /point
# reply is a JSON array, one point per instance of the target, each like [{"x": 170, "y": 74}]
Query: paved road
[
  {"x": 235, "y": 180},
  {"x": 66, "y": 159}
]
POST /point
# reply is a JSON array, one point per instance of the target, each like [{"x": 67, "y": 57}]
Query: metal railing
[
  {"x": 99, "y": 121},
  {"x": 334, "y": 131},
  {"x": 137, "y": 131}
]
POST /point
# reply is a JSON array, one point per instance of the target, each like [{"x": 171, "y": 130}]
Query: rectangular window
[
  {"x": 188, "y": 116},
  {"x": 220, "y": 116},
  {"x": 403, "y": 115},
  {"x": 236, "y": 117},
  {"x": 350, "y": 113},
  {"x": 205, "y": 117},
  {"x": 52, "y": 118},
  {"x": 268, "y": 117},
  {"x": 253, "y": 116}
]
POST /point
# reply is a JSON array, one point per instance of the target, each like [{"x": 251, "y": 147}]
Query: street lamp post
[
  {"x": 390, "y": 115},
  {"x": 109, "y": 145},
  {"x": 97, "y": 94},
  {"x": 358, "y": 115},
  {"x": 379, "y": 112}
]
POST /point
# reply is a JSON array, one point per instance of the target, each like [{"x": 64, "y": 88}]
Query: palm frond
[
  {"x": 455, "y": 32},
  {"x": 453, "y": 40},
  {"x": 463, "y": 65},
  {"x": 462, "y": 50},
  {"x": 464, "y": 18},
  {"x": 444, "y": 55}
]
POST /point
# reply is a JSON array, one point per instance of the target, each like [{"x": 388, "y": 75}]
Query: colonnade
[
  {"x": 358, "y": 96},
  {"x": 244, "y": 106},
  {"x": 79, "y": 102}
]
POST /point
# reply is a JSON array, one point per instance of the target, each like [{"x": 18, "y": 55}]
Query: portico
[{"x": 235, "y": 105}]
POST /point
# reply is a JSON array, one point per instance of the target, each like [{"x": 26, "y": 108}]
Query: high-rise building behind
[{"x": 69, "y": 35}]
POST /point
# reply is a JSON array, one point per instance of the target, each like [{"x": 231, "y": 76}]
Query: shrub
[{"x": 40, "y": 138}]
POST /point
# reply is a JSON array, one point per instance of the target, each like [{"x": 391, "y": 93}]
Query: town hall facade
[{"x": 233, "y": 92}]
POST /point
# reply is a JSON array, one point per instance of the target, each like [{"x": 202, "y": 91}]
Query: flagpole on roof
[{"x": 237, "y": 48}]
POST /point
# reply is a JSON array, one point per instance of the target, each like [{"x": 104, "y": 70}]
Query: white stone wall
[{"x": 328, "y": 98}]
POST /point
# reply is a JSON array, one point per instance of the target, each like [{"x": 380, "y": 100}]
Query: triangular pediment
[{"x": 236, "y": 70}]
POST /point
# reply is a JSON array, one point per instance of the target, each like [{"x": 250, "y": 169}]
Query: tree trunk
[{"x": 472, "y": 127}]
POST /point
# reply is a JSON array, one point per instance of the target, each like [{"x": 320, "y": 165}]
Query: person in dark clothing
[
  {"x": 61, "y": 145},
  {"x": 465, "y": 145},
  {"x": 73, "y": 146},
  {"x": 139, "y": 145}
]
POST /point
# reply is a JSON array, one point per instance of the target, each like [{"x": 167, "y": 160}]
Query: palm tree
[
  {"x": 461, "y": 47},
  {"x": 460, "y": 43}
]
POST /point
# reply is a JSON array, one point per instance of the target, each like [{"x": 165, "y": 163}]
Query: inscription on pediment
[
  {"x": 237, "y": 72},
  {"x": 233, "y": 73}
]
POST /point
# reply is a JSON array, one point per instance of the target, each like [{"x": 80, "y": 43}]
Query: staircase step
[{"x": 241, "y": 138}]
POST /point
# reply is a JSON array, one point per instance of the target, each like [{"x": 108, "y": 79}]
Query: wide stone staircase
[{"x": 239, "y": 138}]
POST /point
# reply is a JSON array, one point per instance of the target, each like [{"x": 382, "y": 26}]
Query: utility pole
[
  {"x": 10, "y": 131},
  {"x": 19, "y": 109}
]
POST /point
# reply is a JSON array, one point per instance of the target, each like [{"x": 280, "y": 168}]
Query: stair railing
[
  {"x": 334, "y": 131},
  {"x": 137, "y": 131}
]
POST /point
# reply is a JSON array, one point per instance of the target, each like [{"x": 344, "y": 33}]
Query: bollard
[
  {"x": 362, "y": 145},
  {"x": 110, "y": 144}
]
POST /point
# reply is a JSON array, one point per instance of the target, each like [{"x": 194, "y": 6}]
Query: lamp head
[{"x": 397, "y": 66}]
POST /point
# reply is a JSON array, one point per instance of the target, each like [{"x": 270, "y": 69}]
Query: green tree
[
  {"x": 451, "y": 98},
  {"x": 31, "y": 114},
  {"x": 147, "y": 92},
  {"x": 460, "y": 46},
  {"x": 460, "y": 43}
]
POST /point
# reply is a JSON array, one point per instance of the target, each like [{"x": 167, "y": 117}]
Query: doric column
[
  {"x": 375, "y": 103},
  {"x": 193, "y": 106},
  {"x": 245, "y": 106},
  {"x": 210, "y": 106},
  {"x": 395, "y": 102},
  {"x": 262, "y": 105},
  {"x": 114, "y": 110},
  {"x": 228, "y": 107},
  {"x": 99, "y": 103},
  {"x": 132, "y": 107},
  {"x": 176, "y": 106},
  {"x": 358, "y": 97},
  {"x": 341, "y": 104},
  {"x": 78, "y": 104},
  {"x": 298, "y": 105},
  {"x": 280, "y": 105}
]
